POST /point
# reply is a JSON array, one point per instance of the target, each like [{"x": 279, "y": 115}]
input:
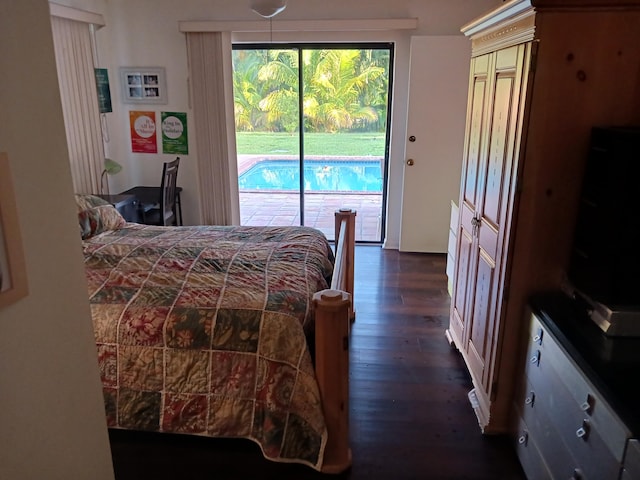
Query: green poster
[
  {"x": 174, "y": 133},
  {"x": 104, "y": 94}
]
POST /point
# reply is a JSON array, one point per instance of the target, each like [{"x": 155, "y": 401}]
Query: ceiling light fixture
[{"x": 267, "y": 8}]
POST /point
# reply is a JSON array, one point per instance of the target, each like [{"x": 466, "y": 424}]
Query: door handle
[
  {"x": 475, "y": 223},
  {"x": 410, "y": 162}
]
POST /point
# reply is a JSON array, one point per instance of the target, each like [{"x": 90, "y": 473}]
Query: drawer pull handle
[
  {"x": 530, "y": 400},
  {"x": 535, "y": 359},
  {"x": 538, "y": 337},
  {"x": 587, "y": 405},
  {"x": 583, "y": 431},
  {"x": 522, "y": 439}
]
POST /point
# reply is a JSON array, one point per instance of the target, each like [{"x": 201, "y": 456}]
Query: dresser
[
  {"x": 575, "y": 408},
  {"x": 542, "y": 74}
]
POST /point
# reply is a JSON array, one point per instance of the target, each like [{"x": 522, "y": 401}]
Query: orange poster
[{"x": 143, "y": 132}]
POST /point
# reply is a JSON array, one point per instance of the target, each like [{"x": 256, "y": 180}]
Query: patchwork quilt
[{"x": 203, "y": 330}]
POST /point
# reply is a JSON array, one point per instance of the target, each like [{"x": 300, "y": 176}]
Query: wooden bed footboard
[{"x": 334, "y": 313}]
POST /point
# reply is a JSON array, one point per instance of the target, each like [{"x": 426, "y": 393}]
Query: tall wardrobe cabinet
[{"x": 543, "y": 73}]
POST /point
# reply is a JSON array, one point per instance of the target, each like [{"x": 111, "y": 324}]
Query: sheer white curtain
[
  {"x": 211, "y": 79},
  {"x": 75, "y": 63}
]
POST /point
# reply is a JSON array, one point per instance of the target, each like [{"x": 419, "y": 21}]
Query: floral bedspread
[{"x": 201, "y": 330}]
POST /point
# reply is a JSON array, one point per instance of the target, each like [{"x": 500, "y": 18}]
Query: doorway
[{"x": 312, "y": 133}]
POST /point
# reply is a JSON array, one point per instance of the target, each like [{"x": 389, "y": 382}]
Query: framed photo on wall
[
  {"x": 13, "y": 278},
  {"x": 144, "y": 85}
]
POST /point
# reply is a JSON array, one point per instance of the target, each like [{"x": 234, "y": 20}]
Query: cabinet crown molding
[
  {"x": 582, "y": 4},
  {"x": 514, "y": 21},
  {"x": 511, "y": 24}
]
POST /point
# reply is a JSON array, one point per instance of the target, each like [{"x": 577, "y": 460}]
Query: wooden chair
[{"x": 164, "y": 211}]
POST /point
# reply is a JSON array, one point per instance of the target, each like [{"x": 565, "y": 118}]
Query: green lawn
[{"x": 347, "y": 144}]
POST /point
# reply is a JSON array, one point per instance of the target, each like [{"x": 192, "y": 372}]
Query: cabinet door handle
[
  {"x": 583, "y": 431},
  {"x": 475, "y": 223}
]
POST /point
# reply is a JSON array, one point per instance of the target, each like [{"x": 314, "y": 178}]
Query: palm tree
[
  {"x": 337, "y": 83},
  {"x": 344, "y": 89},
  {"x": 280, "y": 102},
  {"x": 247, "y": 90}
]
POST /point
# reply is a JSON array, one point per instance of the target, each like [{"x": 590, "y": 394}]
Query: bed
[{"x": 209, "y": 330}]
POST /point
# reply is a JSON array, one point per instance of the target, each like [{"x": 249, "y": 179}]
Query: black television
[{"x": 604, "y": 267}]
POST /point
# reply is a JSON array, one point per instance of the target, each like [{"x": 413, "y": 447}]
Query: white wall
[
  {"x": 52, "y": 422},
  {"x": 145, "y": 33}
]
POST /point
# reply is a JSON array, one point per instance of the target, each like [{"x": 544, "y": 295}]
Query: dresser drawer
[
  {"x": 558, "y": 459},
  {"x": 546, "y": 357},
  {"x": 627, "y": 476},
  {"x": 532, "y": 462},
  {"x": 632, "y": 460}
]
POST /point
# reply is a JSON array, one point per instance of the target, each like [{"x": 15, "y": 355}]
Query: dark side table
[
  {"x": 124, "y": 203},
  {"x": 144, "y": 195}
]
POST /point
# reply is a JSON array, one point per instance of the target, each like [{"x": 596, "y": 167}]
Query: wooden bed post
[
  {"x": 346, "y": 217},
  {"x": 332, "y": 309}
]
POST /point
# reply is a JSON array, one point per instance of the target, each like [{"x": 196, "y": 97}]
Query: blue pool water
[{"x": 319, "y": 175}]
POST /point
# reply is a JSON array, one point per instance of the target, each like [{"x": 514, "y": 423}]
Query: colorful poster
[
  {"x": 143, "y": 132},
  {"x": 174, "y": 133},
  {"x": 104, "y": 93}
]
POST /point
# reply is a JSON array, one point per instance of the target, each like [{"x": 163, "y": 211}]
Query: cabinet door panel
[
  {"x": 462, "y": 274},
  {"x": 472, "y": 180},
  {"x": 469, "y": 197},
  {"x": 495, "y": 184},
  {"x": 481, "y": 329}
]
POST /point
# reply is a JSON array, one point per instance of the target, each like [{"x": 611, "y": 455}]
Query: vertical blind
[
  {"x": 75, "y": 63},
  {"x": 210, "y": 78}
]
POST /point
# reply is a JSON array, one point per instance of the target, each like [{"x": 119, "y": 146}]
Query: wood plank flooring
[{"x": 409, "y": 413}]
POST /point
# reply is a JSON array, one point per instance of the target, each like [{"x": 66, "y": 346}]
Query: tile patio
[
  {"x": 282, "y": 208},
  {"x": 262, "y": 208}
]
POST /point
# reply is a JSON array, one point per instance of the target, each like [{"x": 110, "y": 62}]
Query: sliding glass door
[{"x": 312, "y": 134}]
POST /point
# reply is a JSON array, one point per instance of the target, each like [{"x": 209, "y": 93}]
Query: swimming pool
[{"x": 319, "y": 175}]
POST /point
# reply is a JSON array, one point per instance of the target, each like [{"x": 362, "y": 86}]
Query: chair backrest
[{"x": 168, "y": 192}]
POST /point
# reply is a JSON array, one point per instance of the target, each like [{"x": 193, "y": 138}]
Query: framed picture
[
  {"x": 143, "y": 85},
  {"x": 13, "y": 278}
]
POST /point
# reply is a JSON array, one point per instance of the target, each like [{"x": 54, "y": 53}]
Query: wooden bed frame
[{"x": 334, "y": 313}]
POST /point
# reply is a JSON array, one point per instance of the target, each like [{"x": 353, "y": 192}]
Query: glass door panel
[
  {"x": 345, "y": 94},
  {"x": 305, "y": 152},
  {"x": 265, "y": 82}
]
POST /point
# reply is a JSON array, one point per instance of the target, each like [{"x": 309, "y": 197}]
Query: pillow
[
  {"x": 96, "y": 215},
  {"x": 85, "y": 202}
]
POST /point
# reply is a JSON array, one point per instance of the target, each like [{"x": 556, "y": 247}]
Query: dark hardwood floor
[{"x": 409, "y": 413}]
